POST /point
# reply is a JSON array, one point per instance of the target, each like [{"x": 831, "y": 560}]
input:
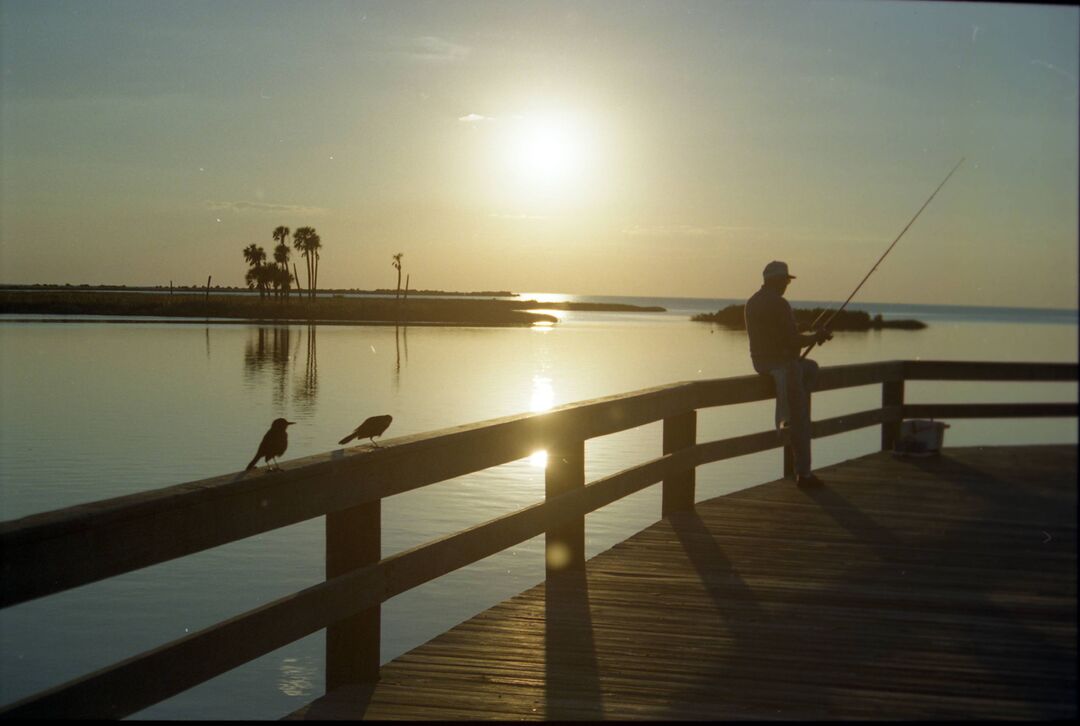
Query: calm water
[{"x": 92, "y": 410}]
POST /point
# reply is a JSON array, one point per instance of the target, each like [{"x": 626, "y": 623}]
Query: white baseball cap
[{"x": 777, "y": 269}]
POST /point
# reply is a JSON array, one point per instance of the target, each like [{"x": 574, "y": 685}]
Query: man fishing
[{"x": 775, "y": 344}]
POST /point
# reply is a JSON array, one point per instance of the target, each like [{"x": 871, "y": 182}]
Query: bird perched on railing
[
  {"x": 372, "y": 427},
  {"x": 274, "y": 443}
]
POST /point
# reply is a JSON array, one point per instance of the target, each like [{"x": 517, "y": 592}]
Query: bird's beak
[{"x": 289, "y": 423}]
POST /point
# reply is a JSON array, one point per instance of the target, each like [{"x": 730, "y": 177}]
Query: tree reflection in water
[
  {"x": 268, "y": 350},
  {"x": 401, "y": 337},
  {"x": 275, "y": 350},
  {"x": 305, "y": 389}
]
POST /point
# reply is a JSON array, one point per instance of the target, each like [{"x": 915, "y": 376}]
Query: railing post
[
  {"x": 353, "y": 539},
  {"x": 892, "y": 394},
  {"x": 680, "y": 432},
  {"x": 788, "y": 452},
  {"x": 565, "y": 543}
]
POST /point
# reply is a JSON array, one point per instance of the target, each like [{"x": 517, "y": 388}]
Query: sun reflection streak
[
  {"x": 557, "y": 314},
  {"x": 544, "y": 297},
  {"x": 297, "y": 677},
  {"x": 543, "y": 395}
]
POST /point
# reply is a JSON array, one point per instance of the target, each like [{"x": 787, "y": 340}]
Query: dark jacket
[{"x": 770, "y": 325}]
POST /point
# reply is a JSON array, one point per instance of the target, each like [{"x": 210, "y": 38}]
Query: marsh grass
[{"x": 341, "y": 309}]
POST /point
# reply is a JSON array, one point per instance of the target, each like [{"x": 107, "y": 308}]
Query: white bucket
[{"x": 921, "y": 435}]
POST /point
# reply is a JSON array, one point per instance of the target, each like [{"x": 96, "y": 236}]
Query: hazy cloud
[
  {"x": 473, "y": 118},
  {"x": 496, "y": 215},
  {"x": 1054, "y": 68},
  {"x": 741, "y": 233},
  {"x": 429, "y": 49},
  {"x": 676, "y": 230},
  {"x": 264, "y": 207}
]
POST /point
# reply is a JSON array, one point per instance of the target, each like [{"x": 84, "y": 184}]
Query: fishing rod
[{"x": 887, "y": 251}]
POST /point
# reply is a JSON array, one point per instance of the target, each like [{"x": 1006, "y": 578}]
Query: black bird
[
  {"x": 372, "y": 427},
  {"x": 273, "y": 443}
]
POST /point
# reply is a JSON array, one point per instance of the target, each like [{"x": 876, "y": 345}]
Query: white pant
[{"x": 794, "y": 381}]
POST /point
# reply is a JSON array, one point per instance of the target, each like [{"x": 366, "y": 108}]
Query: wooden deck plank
[{"x": 906, "y": 588}]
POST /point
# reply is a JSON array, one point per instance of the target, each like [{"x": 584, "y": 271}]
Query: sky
[{"x": 613, "y": 148}]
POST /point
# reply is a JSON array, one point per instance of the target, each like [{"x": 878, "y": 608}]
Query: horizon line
[{"x": 6, "y": 285}]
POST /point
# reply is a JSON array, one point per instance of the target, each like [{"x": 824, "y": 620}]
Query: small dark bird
[
  {"x": 273, "y": 443},
  {"x": 372, "y": 427}
]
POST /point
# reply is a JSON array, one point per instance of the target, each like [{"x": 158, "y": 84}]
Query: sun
[
  {"x": 547, "y": 150},
  {"x": 546, "y": 156}
]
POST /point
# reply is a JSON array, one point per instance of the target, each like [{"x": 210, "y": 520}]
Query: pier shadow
[
  {"x": 951, "y": 565},
  {"x": 348, "y": 702},
  {"x": 743, "y": 624},
  {"x": 713, "y": 567},
  {"x": 929, "y": 616},
  {"x": 1002, "y": 497},
  {"x": 571, "y": 672},
  {"x": 860, "y": 525}
]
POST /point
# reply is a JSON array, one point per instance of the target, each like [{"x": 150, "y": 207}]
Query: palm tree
[
  {"x": 256, "y": 277},
  {"x": 281, "y": 234},
  {"x": 316, "y": 244},
  {"x": 280, "y": 278},
  {"x": 397, "y": 266},
  {"x": 260, "y": 277},
  {"x": 306, "y": 241},
  {"x": 252, "y": 279},
  {"x": 287, "y": 279},
  {"x": 254, "y": 255},
  {"x": 281, "y": 257}
]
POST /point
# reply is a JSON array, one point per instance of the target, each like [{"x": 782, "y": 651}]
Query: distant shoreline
[
  {"x": 201, "y": 290},
  {"x": 847, "y": 320},
  {"x": 248, "y": 321},
  {"x": 197, "y": 306}
]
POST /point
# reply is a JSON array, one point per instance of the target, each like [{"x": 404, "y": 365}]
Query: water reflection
[
  {"x": 401, "y": 335},
  {"x": 274, "y": 350},
  {"x": 305, "y": 390},
  {"x": 297, "y": 676},
  {"x": 543, "y": 395}
]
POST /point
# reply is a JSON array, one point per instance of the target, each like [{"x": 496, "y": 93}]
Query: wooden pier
[
  {"x": 904, "y": 588},
  {"x": 929, "y": 588}
]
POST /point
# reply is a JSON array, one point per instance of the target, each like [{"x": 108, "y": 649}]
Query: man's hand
[{"x": 823, "y": 335}]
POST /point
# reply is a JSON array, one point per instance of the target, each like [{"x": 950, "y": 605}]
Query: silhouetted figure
[
  {"x": 273, "y": 443},
  {"x": 775, "y": 344},
  {"x": 372, "y": 427}
]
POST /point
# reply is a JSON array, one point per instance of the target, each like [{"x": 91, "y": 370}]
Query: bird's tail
[
  {"x": 347, "y": 439},
  {"x": 252, "y": 464}
]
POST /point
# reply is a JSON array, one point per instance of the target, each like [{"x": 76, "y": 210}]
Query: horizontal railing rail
[{"x": 55, "y": 551}]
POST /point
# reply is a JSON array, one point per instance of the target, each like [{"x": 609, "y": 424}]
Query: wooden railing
[{"x": 54, "y": 551}]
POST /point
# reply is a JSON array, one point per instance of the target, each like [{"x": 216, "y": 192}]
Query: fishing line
[{"x": 887, "y": 251}]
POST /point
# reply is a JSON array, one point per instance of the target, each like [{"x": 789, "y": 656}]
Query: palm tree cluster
[
  {"x": 265, "y": 276},
  {"x": 307, "y": 243}
]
